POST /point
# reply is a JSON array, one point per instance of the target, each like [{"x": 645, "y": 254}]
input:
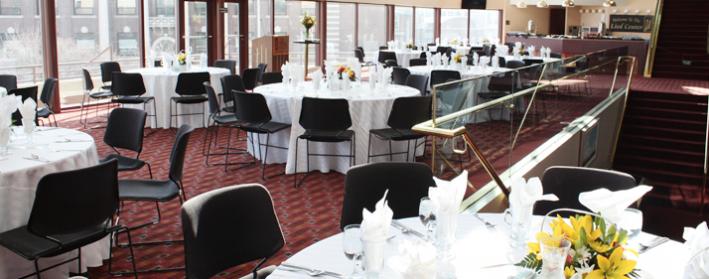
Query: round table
[
  {"x": 479, "y": 252},
  {"x": 368, "y": 110},
  {"x": 403, "y": 56},
  {"x": 161, "y": 82},
  {"x": 56, "y": 150}
]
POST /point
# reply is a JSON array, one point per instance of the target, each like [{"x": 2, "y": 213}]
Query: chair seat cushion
[
  {"x": 226, "y": 119},
  {"x": 262, "y": 128},
  {"x": 231, "y": 109},
  {"x": 195, "y": 99},
  {"x": 78, "y": 239},
  {"x": 327, "y": 136},
  {"x": 125, "y": 163},
  {"x": 147, "y": 190},
  {"x": 261, "y": 273},
  {"x": 395, "y": 134},
  {"x": 132, "y": 100},
  {"x": 26, "y": 244},
  {"x": 44, "y": 112},
  {"x": 101, "y": 95}
]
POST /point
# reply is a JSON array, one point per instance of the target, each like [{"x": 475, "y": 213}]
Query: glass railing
[{"x": 487, "y": 123}]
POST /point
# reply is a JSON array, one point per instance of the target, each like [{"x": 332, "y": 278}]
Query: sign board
[{"x": 630, "y": 23}]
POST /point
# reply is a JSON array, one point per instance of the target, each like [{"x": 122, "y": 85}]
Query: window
[
  {"x": 161, "y": 28},
  {"x": 290, "y": 24},
  {"x": 340, "y": 31},
  {"x": 161, "y": 8},
  {"x": 126, "y": 7},
  {"x": 196, "y": 27},
  {"x": 424, "y": 26},
  {"x": 454, "y": 25},
  {"x": 10, "y": 7},
  {"x": 21, "y": 47},
  {"x": 404, "y": 24},
  {"x": 372, "y": 28},
  {"x": 83, "y": 7},
  {"x": 259, "y": 21},
  {"x": 484, "y": 25}
]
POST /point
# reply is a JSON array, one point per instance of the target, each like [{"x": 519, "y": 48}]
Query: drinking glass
[
  {"x": 352, "y": 246},
  {"x": 632, "y": 221},
  {"x": 554, "y": 259},
  {"x": 427, "y": 217}
]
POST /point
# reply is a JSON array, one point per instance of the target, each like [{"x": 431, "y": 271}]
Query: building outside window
[
  {"x": 10, "y": 7},
  {"x": 404, "y": 24},
  {"x": 424, "y": 26},
  {"x": 372, "y": 28},
  {"x": 126, "y": 7},
  {"x": 484, "y": 25},
  {"x": 340, "y": 31},
  {"x": 454, "y": 25},
  {"x": 289, "y": 24},
  {"x": 83, "y": 7}
]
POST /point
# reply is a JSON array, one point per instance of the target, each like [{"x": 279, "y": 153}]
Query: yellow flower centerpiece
[
  {"x": 343, "y": 71},
  {"x": 182, "y": 58},
  {"x": 308, "y": 21},
  {"x": 596, "y": 249},
  {"x": 458, "y": 58}
]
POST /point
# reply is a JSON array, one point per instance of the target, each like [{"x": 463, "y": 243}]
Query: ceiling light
[
  {"x": 521, "y": 4},
  {"x": 609, "y": 3},
  {"x": 568, "y": 3},
  {"x": 542, "y": 4}
]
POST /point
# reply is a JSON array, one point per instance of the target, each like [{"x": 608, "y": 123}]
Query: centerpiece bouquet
[
  {"x": 182, "y": 58},
  {"x": 458, "y": 58},
  {"x": 344, "y": 71},
  {"x": 308, "y": 21},
  {"x": 596, "y": 249},
  {"x": 410, "y": 45}
]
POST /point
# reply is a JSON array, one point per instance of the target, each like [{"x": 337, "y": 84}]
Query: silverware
[
  {"x": 71, "y": 140},
  {"x": 35, "y": 157},
  {"x": 311, "y": 271},
  {"x": 653, "y": 243},
  {"x": 406, "y": 230},
  {"x": 487, "y": 224}
]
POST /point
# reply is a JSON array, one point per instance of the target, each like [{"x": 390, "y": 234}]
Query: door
[
  {"x": 196, "y": 34},
  {"x": 234, "y": 38},
  {"x": 557, "y": 21}
]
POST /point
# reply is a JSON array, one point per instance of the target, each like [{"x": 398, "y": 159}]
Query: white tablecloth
[
  {"x": 403, "y": 56},
  {"x": 65, "y": 150},
  {"x": 368, "y": 110},
  {"x": 476, "y": 247},
  {"x": 160, "y": 83}
]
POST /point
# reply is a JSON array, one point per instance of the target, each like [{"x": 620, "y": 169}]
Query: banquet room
[{"x": 380, "y": 139}]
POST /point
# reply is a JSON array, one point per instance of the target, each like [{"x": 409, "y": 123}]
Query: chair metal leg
[
  {"x": 150, "y": 170},
  {"x": 36, "y": 269},
  {"x": 265, "y": 157},
  {"x": 295, "y": 171},
  {"x": 79, "y": 260},
  {"x": 391, "y": 152},
  {"x": 369, "y": 148}
]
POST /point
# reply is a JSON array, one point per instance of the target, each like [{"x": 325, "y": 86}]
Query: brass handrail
[{"x": 652, "y": 48}]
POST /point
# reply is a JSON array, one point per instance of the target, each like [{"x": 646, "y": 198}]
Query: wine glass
[
  {"x": 427, "y": 216},
  {"x": 632, "y": 221},
  {"x": 352, "y": 246}
]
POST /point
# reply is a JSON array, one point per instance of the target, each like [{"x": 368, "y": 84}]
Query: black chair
[
  {"x": 89, "y": 95},
  {"x": 128, "y": 89},
  {"x": 555, "y": 55},
  {"x": 359, "y": 54},
  {"x": 386, "y": 55},
  {"x": 390, "y": 63},
  {"x": 250, "y": 78},
  {"x": 190, "y": 89},
  {"x": 226, "y": 64},
  {"x": 230, "y": 226},
  {"x": 423, "y": 55},
  {"x": 47, "y": 98},
  {"x": 325, "y": 121},
  {"x": 405, "y": 113},
  {"x": 25, "y": 93},
  {"x": 158, "y": 190},
  {"x": 272, "y": 77},
  {"x": 514, "y": 64},
  {"x": 443, "y": 76},
  {"x": 255, "y": 118},
  {"x": 365, "y": 185},
  {"x": 419, "y": 82},
  {"x": 418, "y": 62},
  {"x": 107, "y": 70},
  {"x": 70, "y": 210},
  {"x": 217, "y": 120},
  {"x": 501, "y": 61},
  {"x": 261, "y": 69},
  {"x": 8, "y": 81},
  {"x": 399, "y": 75},
  {"x": 500, "y": 85},
  {"x": 568, "y": 182},
  {"x": 443, "y": 50},
  {"x": 125, "y": 131},
  {"x": 528, "y": 61},
  {"x": 229, "y": 85}
]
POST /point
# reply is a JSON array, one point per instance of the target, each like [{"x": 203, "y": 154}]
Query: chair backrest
[
  {"x": 125, "y": 129},
  {"x": 365, "y": 185},
  {"x": 443, "y": 76},
  {"x": 271, "y": 77},
  {"x": 385, "y": 55},
  {"x": 229, "y": 84},
  {"x": 251, "y": 107},
  {"x": 107, "y": 70},
  {"x": 514, "y": 64},
  {"x": 226, "y": 64},
  {"x": 261, "y": 69},
  {"x": 325, "y": 114},
  {"x": 528, "y": 62},
  {"x": 127, "y": 84},
  {"x": 423, "y": 54},
  {"x": 179, "y": 148},
  {"x": 191, "y": 83},
  {"x": 82, "y": 200},
  {"x": 555, "y": 55},
  {"x": 501, "y": 61},
  {"x": 506, "y": 82},
  {"x": 568, "y": 182},
  {"x": 419, "y": 82},
  {"x": 88, "y": 82},
  {"x": 47, "y": 96},
  {"x": 444, "y": 50},
  {"x": 409, "y": 111},
  {"x": 399, "y": 75},
  {"x": 227, "y": 227},
  {"x": 360, "y": 55},
  {"x": 211, "y": 99},
  {"x": 8, "y": 81},
  {"x": 417, "y": 62},
  {"x": 25, "y": 93},
  {"x": 250, "y": 78},
  {"x": 390, "y": 63}
]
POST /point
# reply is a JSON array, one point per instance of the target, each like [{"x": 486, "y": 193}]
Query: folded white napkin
[
  {"x": 531, "y": 50},
  {"x": 317, "y": 77},
  {"x": 28, "y": 108},
  {"x": 375, "y": 225},
  {"x": 3, "y": 91},
  {"x": 8, "y": 105},
  {"x": 518, "y": 45},
  {"x": 476, "y": 58},
  {"x": 386, "y": 75},
  {"x": 697, "y": 247},
  {"x": 527, "y": 193},
  {"x": 446, "y": 198},
  {"x": 464, "y": 60},
  {"x": 484, "y": 61},
  {"x": 612, "y": 204},
  {"x": 505, "y": 50}
]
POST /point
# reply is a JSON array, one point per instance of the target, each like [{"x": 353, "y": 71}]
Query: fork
[
  {"x": 310, "y": 271},
  {"x": 653, "y": 243},
  {"x": 406, "y": 230},
  {"x": 487, "y": 224}
]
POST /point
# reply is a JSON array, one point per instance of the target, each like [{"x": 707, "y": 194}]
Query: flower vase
[
  {"x": 307, "y": 34},
  {"x": 4, "y": 140},
  {"x": 554, "y": 259}
]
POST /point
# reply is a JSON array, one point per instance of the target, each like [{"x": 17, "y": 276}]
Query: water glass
[
  {"x": 373, "y": 250},
  {"x": 554, "y": 259},
  {"x": 352, "y": 246},
  {"x": 632, "y": 221},
  {"x": 427, "y": 217}
]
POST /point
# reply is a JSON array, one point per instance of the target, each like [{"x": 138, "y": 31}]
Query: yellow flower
[
  {"x": 569, "y": 271},
  {"x": 533, "y": 247},
  {"x": 614, "y": 267}
]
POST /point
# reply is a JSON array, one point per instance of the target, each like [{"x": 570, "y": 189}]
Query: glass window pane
[
  {"x": 424, "y": 26},
  {"x": 126, "y": 7},
  {"x": 21, "y": 42},
  {"x": 403, "y": 24},
  {"x": 289, "y": 24},
  {"x": 259, "y": 21},
  {"x": 372, "y": 28},
  {"x": 161, "y": 28},
  {"x": 83, "y": 7},
  {"x": 88, "y": 41},
  {"x": 454, "y": 25},
  {"x": 196, "y": 27},
  {"x": 231, "y": 31},
  {"x": 340, "y": 31},
  {"x": 484, "y": 25}
]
